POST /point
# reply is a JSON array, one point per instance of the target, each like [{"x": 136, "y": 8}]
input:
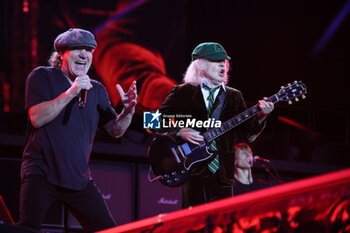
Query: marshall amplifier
[
  {"x": 155, "y": 198},
  {"x": 115, "y": 181}
]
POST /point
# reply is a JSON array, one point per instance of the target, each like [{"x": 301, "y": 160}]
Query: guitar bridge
[
  {"x": 181, "y": 152},
  {"x": 175, "y": 155}
]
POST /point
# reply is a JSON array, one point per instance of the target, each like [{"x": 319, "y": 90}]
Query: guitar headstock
[{"x": 292, "y": 91}]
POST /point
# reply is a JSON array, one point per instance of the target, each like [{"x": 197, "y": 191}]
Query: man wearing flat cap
[
  {"x": 65, "y": 107},
  {"x": 205, "y": 95}
]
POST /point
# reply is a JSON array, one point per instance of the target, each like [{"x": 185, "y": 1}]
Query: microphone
[
  {"x": 257, "y": 158},
  {"x": 82, "y": 98}
]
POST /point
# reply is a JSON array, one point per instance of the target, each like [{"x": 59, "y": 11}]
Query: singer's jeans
[{"x": 87, "y": 205}]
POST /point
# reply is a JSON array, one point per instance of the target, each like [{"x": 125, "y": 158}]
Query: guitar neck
[{"x": 214, "y": 133}]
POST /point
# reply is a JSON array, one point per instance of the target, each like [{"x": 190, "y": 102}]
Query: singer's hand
[
  {"x": 129, "y": 99},
  {"x": 80, "y": 83}
]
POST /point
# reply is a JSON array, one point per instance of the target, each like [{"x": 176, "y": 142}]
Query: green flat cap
[{"x": 210, "y": 50}]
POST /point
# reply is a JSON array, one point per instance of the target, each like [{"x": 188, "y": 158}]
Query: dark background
[{"x": 271, "y": 43}]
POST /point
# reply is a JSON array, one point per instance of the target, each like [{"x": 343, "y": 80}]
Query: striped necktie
[{"x": 213, "y": 165}]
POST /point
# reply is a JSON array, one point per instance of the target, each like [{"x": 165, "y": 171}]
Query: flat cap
[
  {"x": 210, "y": 50},
  {"x": 74, "y": 37}
]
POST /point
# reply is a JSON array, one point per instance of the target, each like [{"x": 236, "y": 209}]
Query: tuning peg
[
  {"x": 290, "y": 102},
  {"x": 296, "y": 99},
  {"x": 303, "y": 96}
]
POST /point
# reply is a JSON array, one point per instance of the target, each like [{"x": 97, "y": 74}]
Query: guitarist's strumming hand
[{"x": 190, "y": 135}]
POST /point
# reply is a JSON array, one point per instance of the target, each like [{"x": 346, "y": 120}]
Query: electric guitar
[{"x": 171, "y": 163}]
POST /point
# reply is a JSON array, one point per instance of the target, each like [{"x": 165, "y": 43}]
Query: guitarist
[{"x": 204, "y": 95}]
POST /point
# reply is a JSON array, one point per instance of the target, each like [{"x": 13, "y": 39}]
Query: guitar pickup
[
  {"x": 186, "y": 149},
  {"x": 183, "y": 150}
]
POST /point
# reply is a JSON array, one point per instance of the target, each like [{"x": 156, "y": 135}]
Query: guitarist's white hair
[{"x": 197, "y": 70}]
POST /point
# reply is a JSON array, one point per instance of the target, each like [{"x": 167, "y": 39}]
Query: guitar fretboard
[{"x": 214, "y": 133}]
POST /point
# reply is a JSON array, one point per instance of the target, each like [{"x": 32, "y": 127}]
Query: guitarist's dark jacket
[{"x": 188, "y": 99}]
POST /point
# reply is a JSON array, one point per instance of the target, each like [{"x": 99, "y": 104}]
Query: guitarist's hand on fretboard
[
  {"x": 266, "y": 107},
  {"x": 190, "y": 135}
]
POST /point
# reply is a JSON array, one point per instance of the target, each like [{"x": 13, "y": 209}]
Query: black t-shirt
[
  {"x": 60, "y": 150},
  {"x": 240, "y": 188}
]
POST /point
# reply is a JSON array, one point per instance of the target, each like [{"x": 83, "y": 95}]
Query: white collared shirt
[{"x": 206, "y": 92}]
